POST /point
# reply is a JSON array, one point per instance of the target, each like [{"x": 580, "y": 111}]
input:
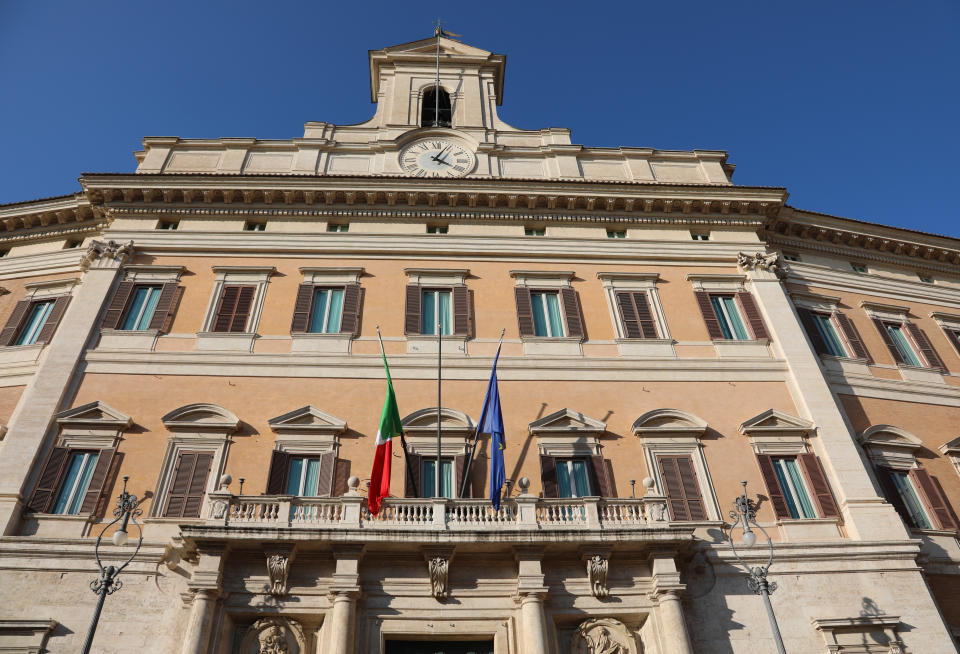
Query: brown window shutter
[
  {"x": 933, "y": 498},
  {"x": 277, "y": 477},
  {"x": 752, "y": 313},
  {"x": 301, "y": 309},
  {"x": 171, "y": 311},
  {"x": 926, "y": 347},
  {"x": 892, "y": 495},
  {"x": 56, "y": 315},
  {"x": 111, "y": 319},
  {"x": 49, "y": 482},
  {"x": 683, "y": 491},
  {"x": 853, "y": 337},
  {"x": 816, "y": 340},
  {"x": 328, "y": 464},
  {"x": 460, "y": 468},
  {"x": 168, "y": 295},
  {"x": 461, "y": 310},
  {"x": 341, "y": 475},
  {"x": 350, "y": 318},
  {"x": 602, "y": 487},
  {"x": 185, "y": 496},
  {"x": 411, "y": 323},
  {"x": 571, "y": 311},
  {"x": 244, "y": 303},
  {"x": 524, "y": 311},
  {"x": 628, "y": 315},
  {"x": 770, "y": 480},
  {"x": 412, "y": 482},
  {"x": 818, "y": 484},
  {"x": 648, "y": 326},
  {"x": 894, "y": 352},
  {"x": 709, "y": 317},
  {"x": 13, "y": 322},
  {"x": 548, "y": 476},
  {"x": 954, "y": 337},
  {"x": 97, "y": 481},
  {"x": 225, "y": 308}
]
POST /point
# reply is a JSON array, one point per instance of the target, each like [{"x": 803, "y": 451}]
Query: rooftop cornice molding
[
  {"x": 858, "y": 240},
  {"x": 49, "y": 214},
  {"x": 876, "y": 285}
]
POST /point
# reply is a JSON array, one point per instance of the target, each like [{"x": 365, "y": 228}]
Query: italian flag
[{"x": 389, "y": 427}]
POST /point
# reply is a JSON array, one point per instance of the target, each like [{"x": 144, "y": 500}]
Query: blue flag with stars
[{"x": 491, "y": 422}]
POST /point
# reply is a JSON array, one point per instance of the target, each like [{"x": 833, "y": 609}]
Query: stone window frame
[
  {"x": 332, "y": 276},
  {"x": 726, "y": 284},
  {"x": 199, "y": 427},
  {"x": 899, "y": 314},
  {"x": 645, "y": 283},
  {"x": 143, "y": 339},
  {"x": 550, "y": 280},
  {"x": 830, "y": 305},
  {"x": 258, "y": 276},
  {"x": 439, "y": 278},
  {"x": 951, "y": 449},
  {"x": 420, "y": 427},
  {"x": 307, "y": 432},
  {"x": 948, "y": 322},
  {"x": 681, "y": 438},
  {"x": 568, "y": 434},
  {"x": 858, "y": 628}
]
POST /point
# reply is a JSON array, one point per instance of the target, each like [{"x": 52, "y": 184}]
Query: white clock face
[{"x": 436, "y": 157}]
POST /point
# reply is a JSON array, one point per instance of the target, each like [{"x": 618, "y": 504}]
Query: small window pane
[
  {"x": 312, "y": 478},
  {"x": 338, "y": 228},
  {"x": 902, "y": 344},
  {"x": 799, "y": 489},
  {"x": 435, "y": 307},
  {"x": 539, "y": 314},
  {"x": 718, "y": 311},
  {"x": 733, "y": 315},
  {"x": 142, "y": 306},
  {"x": 553, "y": 309},
  {"x": 910, "y": 500},
  {"x": 563, "y": 479},
  {"x": 35, "y": 321},
  {"x": 535, "y": 231},
  {"x": 616, "y": 233},
  {"x": 827, "y": 332},
  {"x": 428, "y": 480},
  {"x": 295, "y": 476},
  {"x": 75, "y": 483},
  {"x": 581, "y": 484},
  {"x": 327, "y": 311}
]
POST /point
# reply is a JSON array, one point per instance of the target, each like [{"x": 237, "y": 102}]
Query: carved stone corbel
[
  {"x": 279, "y": 560},
  {"x": 438, "y": 568},
  {"x": 597, "y": 561}
]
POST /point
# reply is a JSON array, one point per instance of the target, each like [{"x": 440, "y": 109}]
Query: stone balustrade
[{"x": 350, "y": 511}]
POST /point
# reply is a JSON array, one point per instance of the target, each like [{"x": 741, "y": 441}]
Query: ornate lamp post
[
  {"x": 108, "y": 583},
  {"x": 744, "y": 514}
]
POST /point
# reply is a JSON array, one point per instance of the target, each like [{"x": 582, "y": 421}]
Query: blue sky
[{"x": 851, "y": 105}]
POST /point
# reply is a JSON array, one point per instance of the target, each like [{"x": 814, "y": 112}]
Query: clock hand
[{"x": 439, "y": 154}]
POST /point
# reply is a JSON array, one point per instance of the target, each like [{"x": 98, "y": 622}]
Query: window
[
  {"x": 233, "y": 308},
  {"x": 791, "y": 256},
  {"x": 616, "y": 233},
  {"x": 903, "y": 495},
  {"x": 727, "y": 314},
  {"x": 168, "y": 224},
  {"x": 254, "y": 226},
  {"x": 636, "y": 316},
  {"x": 306, "y": 472},
  {"x": 436, "y": 308},
  {"x": 437, "y": 229},
  {"x": 901, "y": 343},
  {"x": 953, "y": 335},
  {"x": 75, "y": 482},
  {"x": 700, "y": 236},
  {"x": 858, "y": 267},
  {"x": 547, "y": 320},
  {"x": 791, "y": 484},
  {"x": 428, "y": 478},
  {"x": 142, "y": 307},
  {"x": 926, "y": 279},
  {"x": 571, "y": 459},
  {"x": 4, "y": 252},
  {"x": 73, "y": 243},
  {"x": 572, "y": 478},
  {"x": 303, "y": 476},
  {"x": 36, "y": 319},
  {"x": 828, "y": 333},
  {"x": 327, "y": 311},
  {"x": 435, "y": 109},
  {"x": 534, "y": 231},
  {"x": 338, "y": 227}
]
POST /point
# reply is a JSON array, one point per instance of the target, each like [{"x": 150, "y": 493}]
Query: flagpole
[
  {"x": 436, "y": 476},
  {"x": 403, "y": 440},
  {"x": 468, "y": 474},
  {"x": 436, "y": 89}
]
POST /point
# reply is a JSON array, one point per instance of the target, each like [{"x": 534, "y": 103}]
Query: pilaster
[{"x": 866, "y": 516}]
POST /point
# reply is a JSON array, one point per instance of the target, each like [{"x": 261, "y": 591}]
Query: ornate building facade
[{"x": 203, "y": 332}]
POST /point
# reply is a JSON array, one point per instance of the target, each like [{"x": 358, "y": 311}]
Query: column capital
[{"x": 109, "y": 255}]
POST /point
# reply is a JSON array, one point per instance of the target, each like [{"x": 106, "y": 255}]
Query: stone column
[
  {"x": 531, "y": 591},
  {"x": 197, "y": 637},
  {"x": 48, "y": 389},
  {"x": 866, "y": 516},
  {"x": 666, "y": 592},
  {"x": 342, "y": 622},
  {"x": 533, "y": 623}
]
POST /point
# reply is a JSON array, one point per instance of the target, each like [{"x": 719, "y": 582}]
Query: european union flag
[{"x": 491, "y": 422}]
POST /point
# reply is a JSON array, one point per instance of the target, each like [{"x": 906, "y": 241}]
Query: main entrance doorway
[{"x": 439, "y": 647}]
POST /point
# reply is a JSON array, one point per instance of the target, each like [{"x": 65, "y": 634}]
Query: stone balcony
[{"x": 524, "y": 519}]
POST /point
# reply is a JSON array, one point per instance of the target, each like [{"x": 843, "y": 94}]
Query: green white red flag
[{"x": 390, "y": 426}]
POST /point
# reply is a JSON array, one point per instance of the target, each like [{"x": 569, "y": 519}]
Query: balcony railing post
[
  {"x": 526, "y": 505},
  {"x": 591, "y": 506},
  {"x": 352, "y": 508},
  {"x": 218, "y": 503},
  {"x": 285, "y": 508},
  {"x": 439, "y": 512}
]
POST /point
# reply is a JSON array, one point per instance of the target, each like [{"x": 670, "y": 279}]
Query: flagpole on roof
[
  {"x": 436, "y": 471},
  {"x": 436, "y": 108},
  {"x": 468, "y": 469},
  {"x": 403, "y": 440}
]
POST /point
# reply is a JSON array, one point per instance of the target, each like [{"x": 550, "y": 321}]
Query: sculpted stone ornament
[
  {"x": 101, "y": 255},
  {"x": 597, "y": 567},
  {"x": 439, "y": 568},
  {"x": 602, "y": 636},
  {"x": 762, "y": 261},
  {"x": 273, "y": 635},
  {"x": 278, "y": 567}
]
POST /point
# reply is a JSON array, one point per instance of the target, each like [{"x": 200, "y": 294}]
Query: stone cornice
[{"x": 875, "y": 285}]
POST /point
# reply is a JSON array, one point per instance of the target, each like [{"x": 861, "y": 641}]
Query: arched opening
[{"x": 435, "y": 111}]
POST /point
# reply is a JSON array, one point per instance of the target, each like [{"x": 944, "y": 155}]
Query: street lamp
[
  {"x": 744, "y": 514},
  {"x": 108, "y": 583}
]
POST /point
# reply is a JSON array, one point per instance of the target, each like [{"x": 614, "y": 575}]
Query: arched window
[{"x": 435, "y": 112}]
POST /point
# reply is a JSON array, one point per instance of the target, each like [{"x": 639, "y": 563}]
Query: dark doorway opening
[{"x": 439, "y": 647}]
